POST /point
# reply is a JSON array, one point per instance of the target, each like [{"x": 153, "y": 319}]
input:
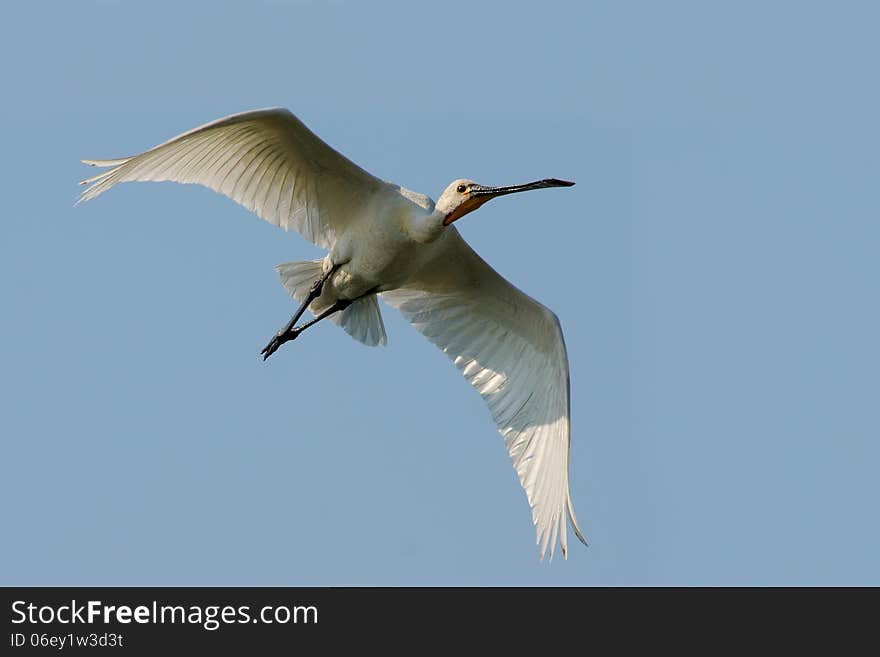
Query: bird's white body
[
  {"x": 381, "y": 255},
  {"x": 385, "y": 240}
]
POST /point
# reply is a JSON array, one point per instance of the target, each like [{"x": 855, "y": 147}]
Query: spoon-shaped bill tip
[{"x": 555, "y": 182}]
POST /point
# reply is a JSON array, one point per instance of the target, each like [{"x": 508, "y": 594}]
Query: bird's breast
[{"x": 376, "y": 256}]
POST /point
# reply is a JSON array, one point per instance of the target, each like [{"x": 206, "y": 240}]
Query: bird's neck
[{"x": 425, "y": 227}]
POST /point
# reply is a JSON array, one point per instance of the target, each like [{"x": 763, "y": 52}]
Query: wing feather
[
  {"x": 511, "y": 349},
  {"x": 266, "y": 160}
]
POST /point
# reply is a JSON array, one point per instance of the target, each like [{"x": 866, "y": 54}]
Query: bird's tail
[
  {"x": 361, "y": 320},
  {"x": 298, "y": 277}
]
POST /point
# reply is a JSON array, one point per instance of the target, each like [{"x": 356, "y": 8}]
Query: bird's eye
[{"x": 461, "y": 189}]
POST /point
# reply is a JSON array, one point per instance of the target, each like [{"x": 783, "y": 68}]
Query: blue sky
[{"x": 715, "y": 271}]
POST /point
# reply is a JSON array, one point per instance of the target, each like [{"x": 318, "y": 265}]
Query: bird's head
[{"x": 463, "y": 196}]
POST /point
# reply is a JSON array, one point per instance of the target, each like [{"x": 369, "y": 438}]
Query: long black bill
[{"x": 513, "y": 189}]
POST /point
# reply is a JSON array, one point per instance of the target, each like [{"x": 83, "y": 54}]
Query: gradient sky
[{"x": 715, "y": 271}]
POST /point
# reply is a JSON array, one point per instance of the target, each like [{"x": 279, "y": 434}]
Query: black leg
[
  {"x": 314, "y": 292},
  {"x": 293, "y": 333}
]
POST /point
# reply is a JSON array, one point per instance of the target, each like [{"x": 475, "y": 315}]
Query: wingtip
[
  {"x": 572, "y": 520},
  {"x": 115, "y": 162}
]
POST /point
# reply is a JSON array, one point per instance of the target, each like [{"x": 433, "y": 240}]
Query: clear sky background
[{"x": 715, "y": 271}]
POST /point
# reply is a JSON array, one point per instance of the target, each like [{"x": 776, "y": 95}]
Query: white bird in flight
[{"x": 386, "y": 240}]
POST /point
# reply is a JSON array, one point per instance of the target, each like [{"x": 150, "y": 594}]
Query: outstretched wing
[
  {"x": 266, "y": 160},
  {"x": 510, "y": 348}
]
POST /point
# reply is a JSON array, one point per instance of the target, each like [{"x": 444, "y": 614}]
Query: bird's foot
[{"x": 277, "y": 340}]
